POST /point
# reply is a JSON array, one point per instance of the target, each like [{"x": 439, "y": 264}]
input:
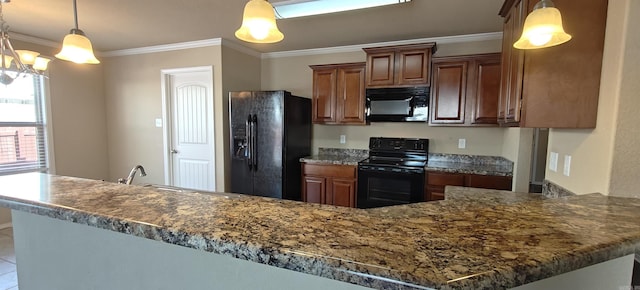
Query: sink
[{"x": 187, "y": 190}]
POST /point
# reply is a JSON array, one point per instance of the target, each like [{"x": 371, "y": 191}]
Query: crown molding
[
  {"x": 35, "y": 40},
  {"x": 359, "y": 47},
  {"x": 164, "y": 47},
  {"x": 280, "y": 54}
]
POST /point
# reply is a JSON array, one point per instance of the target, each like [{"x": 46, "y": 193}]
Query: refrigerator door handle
[
  {"x": 248, "y": 152},
  {"x": 254, "y": 137}
]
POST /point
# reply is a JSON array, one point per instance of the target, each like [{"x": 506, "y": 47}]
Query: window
[{"x": 23, "y": 131}]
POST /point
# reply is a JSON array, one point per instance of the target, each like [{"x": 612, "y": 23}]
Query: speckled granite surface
[
  {"x": 488, "y": 196},
  {"x": 337, "y": 156},
  {"x": 550, "y": 189},
  {"x": 451, "y": 244},
  {"x": 470, "y": 164}
]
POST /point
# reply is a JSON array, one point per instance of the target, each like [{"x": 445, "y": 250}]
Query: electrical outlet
[
  {"x": 158, "y": 122},
  {"x": 553, "y": 161},
  {"x": 462, "y": 143},
  {"x": 343, "y": 139},
  {"x": 567, "y": 165}
]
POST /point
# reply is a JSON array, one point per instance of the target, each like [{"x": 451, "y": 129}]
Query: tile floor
[{"x": 8, "y": 274}]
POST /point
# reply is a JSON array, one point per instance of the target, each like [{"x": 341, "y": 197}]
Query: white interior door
[{"x": 191, "y": 130}]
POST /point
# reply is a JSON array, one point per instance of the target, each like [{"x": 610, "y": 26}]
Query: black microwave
[{"x": 398, "y": 104}]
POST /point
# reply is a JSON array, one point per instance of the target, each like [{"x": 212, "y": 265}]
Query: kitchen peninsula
[{"x": 451, "y": 244}]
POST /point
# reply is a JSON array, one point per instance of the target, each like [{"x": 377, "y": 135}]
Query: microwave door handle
[{"x": 412, "y": 105}]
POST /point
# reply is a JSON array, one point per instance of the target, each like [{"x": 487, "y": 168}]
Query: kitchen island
[{"x": 451, "y": 244}]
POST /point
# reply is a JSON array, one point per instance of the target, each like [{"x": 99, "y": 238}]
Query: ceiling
[{"x": 123, "y": 24}]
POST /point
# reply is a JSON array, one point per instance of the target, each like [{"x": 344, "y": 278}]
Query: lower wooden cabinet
[
  {"x": 329, "y": 184},
  {"x": 436, "y": 181}
]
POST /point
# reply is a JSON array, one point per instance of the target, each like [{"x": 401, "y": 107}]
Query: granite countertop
[
  {"x": 450, "y": 244},
  {"x": 337, "y": 156},
  {"x": 470, "y": 164}
]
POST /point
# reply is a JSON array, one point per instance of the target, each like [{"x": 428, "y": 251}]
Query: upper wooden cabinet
[
  {"x": 555, "y": 87},
  {"x": 338, "y": 93},
  {"x": 399, "y": 66},
  {"x": 465, "y": 90}
]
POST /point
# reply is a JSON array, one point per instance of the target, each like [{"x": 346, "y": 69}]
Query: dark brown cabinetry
[
  {"x": 338, "y": 94},
  {"x": 436, "y": 182},
  {"x": 399, "y": 66},
  {"x": 329, "y": 184},
  {"x": 555, "y": 87},
  {"x": 465, "y": 90}
]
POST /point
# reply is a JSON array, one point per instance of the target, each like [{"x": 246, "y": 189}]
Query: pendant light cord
[{"x": 75, "y": 13}]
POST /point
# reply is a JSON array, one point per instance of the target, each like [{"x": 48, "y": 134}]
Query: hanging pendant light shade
[
  {"x": 542, "y": 28},
  {"x": 259, "y": 23},
  {"x": 76, "y": 47}
]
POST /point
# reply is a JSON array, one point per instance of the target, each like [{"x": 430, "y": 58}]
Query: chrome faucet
[{"x": 132, "y": 174}]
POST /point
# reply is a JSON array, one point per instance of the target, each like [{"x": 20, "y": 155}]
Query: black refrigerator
[{"x": 270, "y": 132}]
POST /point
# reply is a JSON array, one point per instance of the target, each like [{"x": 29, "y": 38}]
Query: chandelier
[{"x": 15, "y": 63}]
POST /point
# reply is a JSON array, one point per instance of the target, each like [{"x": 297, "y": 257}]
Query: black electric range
[{"x": 394, "y": 172}]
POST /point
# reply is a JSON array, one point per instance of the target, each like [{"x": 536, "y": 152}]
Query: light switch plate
[
  {"x": 343, "y": 139},
  {"x": 553, "y": 161},
  {"x": 567, "y": 165},
  {"x": 158, "y": 122},
  {"x": 462, "y": 143}
]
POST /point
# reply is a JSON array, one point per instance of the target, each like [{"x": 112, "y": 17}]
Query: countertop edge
[
  {"x": 270, "y": 257},
  {"x": 277, "y": 257}
]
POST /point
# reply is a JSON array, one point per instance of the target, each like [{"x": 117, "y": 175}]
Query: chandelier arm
[{"x": 16, "y": 58}]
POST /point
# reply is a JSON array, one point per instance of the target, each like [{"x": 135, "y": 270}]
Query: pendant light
[
  {"x": 542, "y": 28},
  {"x": 76, "y": 47},
  {"x": 259, "y": 23},
  {"x": 15, "y": 63}
]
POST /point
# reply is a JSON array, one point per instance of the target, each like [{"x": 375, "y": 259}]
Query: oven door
[{"x": 384, "y": 186}]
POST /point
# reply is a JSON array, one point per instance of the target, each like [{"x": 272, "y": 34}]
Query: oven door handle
[{"x": 366, "y": 168}]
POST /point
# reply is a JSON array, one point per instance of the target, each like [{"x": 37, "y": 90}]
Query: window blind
[{"x": 23, "y": 139}]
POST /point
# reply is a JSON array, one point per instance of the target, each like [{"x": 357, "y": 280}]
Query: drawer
[
  {"x": 489, "y": 182},
  {"x": 345, "y": 171},
  {"x": 434, "y": 178}
]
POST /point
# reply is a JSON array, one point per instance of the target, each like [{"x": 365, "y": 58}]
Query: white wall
[
  {"x": 134, "y": 100},
  {"x": 517, "y": 147},
  {"x": 626, "y": 158},
  {"x": 593, "y": 150},
  {"x": 78, "y": 118}
]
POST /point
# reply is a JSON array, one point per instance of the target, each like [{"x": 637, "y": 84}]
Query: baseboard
[{"x": 6, "y": 225}]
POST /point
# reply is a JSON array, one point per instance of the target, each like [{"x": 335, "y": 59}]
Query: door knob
[{"x": 174, "y": 151}]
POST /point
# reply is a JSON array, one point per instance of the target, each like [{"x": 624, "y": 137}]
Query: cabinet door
[
  {"x": 436, "y": 182},
  {"x": 351, "y": 95},
  {"x": 485, "y": 90},
  {"x": 313, "y": 189},
  {"x": 413, "y": 67},
  {"x": 324, "y": 96},
  {"x": 505, "y": 80},
  {"x": 342, "y": 192},
  {"x": 434, "y": 193},
  {"x": 380, "y": 68},
  {"x": 516, "y": 64},
  {"x": 448, "y": 92}
]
